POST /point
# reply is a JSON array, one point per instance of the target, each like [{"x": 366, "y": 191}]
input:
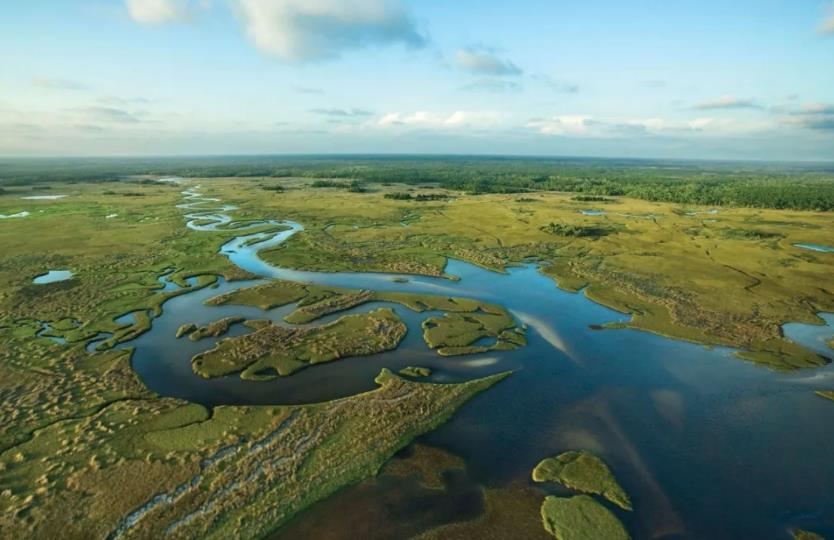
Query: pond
[
  {"x": 18, "y": 215},
  {"x": 52, "y": 276},
  {"x": 44, "y": 197}
]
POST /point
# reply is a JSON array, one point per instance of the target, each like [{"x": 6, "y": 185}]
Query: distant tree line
[{"x": 760, "y": 185}]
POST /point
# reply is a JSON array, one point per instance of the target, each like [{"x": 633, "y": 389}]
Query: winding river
[{"x": 707, "y": 445}]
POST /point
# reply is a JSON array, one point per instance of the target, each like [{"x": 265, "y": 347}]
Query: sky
[{"x": 747, "y": 79}]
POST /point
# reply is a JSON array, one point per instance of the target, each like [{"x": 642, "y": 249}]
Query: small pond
[{"x": 52, "y": 276}]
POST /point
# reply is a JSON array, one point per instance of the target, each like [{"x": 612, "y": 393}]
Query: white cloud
[
  {"x": 441, "y": 121},
  {"x": 304, "y": 30},
  {"x": 158, "y": 11},
  {"x": 562, "y": 125},
  {"x": 485, "y": 63}
]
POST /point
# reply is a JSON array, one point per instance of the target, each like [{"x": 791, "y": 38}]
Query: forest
[{"x": 797, "y": 186}]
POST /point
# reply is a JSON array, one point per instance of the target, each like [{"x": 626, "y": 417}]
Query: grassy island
[
  {"x": 585, "y": 472},
  {"x": 273, "y": 350},
  {"x": 580, "y": 518}
]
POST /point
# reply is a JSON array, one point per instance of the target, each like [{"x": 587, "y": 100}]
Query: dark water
[{"x": 707, "y": 445}]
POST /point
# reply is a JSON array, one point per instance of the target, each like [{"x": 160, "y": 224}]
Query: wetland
[{"x": 554, "y": 333}]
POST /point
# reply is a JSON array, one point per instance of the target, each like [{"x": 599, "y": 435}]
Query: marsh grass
[
  {"x": 580, "y": 518},
  {"x": 585, "y": 472}
]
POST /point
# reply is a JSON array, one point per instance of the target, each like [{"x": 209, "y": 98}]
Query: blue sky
[{"x": 684, "y": 79}]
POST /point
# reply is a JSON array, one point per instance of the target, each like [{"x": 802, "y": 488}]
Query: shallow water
[
  {"x": 707, "y": 445},
  {"x": 816, "y": 247},
  {"x": 52, "y": 276},
  {"x": 10, "y": 216}
]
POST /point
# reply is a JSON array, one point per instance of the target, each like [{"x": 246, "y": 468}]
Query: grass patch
[
  {"x": 580, "y": 518},
  {"x": 585, "y": 472},
  {"x": 287, "y": 350},
  {"x": 415, "y": 371}
]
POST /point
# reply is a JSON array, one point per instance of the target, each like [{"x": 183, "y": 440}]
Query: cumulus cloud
[
  {"x": 484, "y": 62},
  {"x": 563, "y": 125},
  {"x": 57, "y": 84},
  {"x": 728, "y": 102},
  {"x": 305, "y": 30},
  {"x": 158, "y": 11}
]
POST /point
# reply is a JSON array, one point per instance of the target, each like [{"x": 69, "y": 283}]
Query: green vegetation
[
  {"x": 827, "y": 394},
  {"x": 802, "y": 534},
  {"x": 415, "y": 371},
  {"x": 274, "y": 350},
  {"x": 266, "y": 296},
  {"x": 749, "y": 234},
  {"x": 116, "y": 262},
  {"x": 185, "y": 329},
  {"x": 561, "y": 229},
  {"x": 580, "y": 518},
  {"x": 89, "y": 453},
  {"x": 214, "y": 329},
  {"x": 457, "y": 333},
  {"x": 585, "y": 472},
  {"x": 326, "y": 184},
  {"x": 805, "y": 187},
  {"x": 420, "y": 197},
  {"x": 326, "y": 306},
  {"x": 592, "y": 198},
  {"x": 703, "y": 288},
  {"x": 465, "y": 322}
]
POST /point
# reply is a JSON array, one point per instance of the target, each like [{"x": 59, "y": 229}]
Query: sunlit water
[
  {"x": 707, "y": 445},
  {"x": 52, "y": 276},
  {"x": 816, "y": 247}
]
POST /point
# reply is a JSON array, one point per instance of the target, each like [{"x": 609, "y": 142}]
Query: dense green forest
[{"x": 764, "y": 185}]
